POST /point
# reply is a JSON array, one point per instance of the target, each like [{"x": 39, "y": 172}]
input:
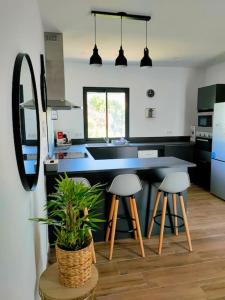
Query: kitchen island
[{"x": 104, "y": 170}]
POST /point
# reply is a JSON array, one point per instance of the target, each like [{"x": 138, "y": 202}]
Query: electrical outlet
[
  {"x": 169, "y": 132},
  {"x": 78, "y": 134}
]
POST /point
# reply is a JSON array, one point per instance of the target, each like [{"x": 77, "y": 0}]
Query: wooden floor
[{"x": 177, "y": 274}]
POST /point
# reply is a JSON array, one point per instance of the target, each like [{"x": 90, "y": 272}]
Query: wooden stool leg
[
  {"x": 110, "y": 218},
  {"x": 185, "y": 222},
  {"x": 138, "y": 226},
  {"x": 113, "y": 228},
  {"x": 175, "y": 213},
  {"x": 92, "y": 243},
  {"x": 133, "y": 217},
  {"x": 162, "y": 223},
  {"x": 150, "y": 226}
]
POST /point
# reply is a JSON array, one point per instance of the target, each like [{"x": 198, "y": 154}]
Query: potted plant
[{"x": 66, "y": 212}]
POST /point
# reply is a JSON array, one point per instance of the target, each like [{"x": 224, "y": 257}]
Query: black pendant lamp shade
[
  {"x": 121, "y": 59},
  {"x": 146, "y": 60},
  {"x": 95, "y": 59}
]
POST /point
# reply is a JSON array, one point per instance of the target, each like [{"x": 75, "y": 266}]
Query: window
[{"x": 106, "y": 112}]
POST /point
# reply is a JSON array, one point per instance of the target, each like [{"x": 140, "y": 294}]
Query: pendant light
[
  {"x": 121, "y": 59},
  {"x": 95, "y": 59},
  {"x": 146, "y": 60}
]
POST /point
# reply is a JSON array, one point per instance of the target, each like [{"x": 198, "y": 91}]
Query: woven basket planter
[{"x": 74, "y": 266}]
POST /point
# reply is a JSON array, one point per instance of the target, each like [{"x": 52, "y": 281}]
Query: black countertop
[{"x": 90, "y": 165}]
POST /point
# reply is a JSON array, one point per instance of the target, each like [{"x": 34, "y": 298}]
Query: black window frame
[{"x": 106, "y": 90}]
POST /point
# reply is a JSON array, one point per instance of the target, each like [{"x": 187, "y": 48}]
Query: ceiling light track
[
  {"x": 121, "y": 14},
  {"x": 121, "y": 60}
]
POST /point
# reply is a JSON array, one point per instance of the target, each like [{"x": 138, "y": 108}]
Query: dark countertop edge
[
  {"x": 102, "y": 145},
  {"x": 139, "y": 140},
  {"x": 182, "y": 163},
  {"x": 161, "y": 144}
]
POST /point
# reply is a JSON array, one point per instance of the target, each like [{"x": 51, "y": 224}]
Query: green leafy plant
[{"x": 66, "y": 212}]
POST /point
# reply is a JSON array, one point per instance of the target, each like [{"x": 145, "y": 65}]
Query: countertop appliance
[
  {"x": 205, "y": 119},
  {"x": 217, "y": 186}
]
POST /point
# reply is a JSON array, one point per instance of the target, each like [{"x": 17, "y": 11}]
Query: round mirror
[
  {"x": 26, "y": 126},
  {"x": 43, "y": 84}
]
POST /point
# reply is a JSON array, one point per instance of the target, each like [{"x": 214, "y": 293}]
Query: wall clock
[{"x": 150, "y": 93}]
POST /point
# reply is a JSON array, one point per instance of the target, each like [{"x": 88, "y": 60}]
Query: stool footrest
[
  {"x": 126, "y": 231},
  {"x": 169, "y": 226},
  {"x": 122, "y": 231}
]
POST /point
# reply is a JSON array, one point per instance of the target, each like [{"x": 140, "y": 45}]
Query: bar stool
[
  {"x": 87, "y": 184},
  {"x": 174, "y": 184},
  {"x": 125, "y": 185}
]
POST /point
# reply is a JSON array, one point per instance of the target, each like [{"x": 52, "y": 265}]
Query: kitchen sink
[{"x": 113, "y": 152}]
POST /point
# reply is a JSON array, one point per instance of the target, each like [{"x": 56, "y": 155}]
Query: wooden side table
[{"x": 51, "y": 289}]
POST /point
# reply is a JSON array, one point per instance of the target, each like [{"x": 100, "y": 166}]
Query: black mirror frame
[
  {"x": 43, "y": 85},
  {"x": 29, "y": 185}
]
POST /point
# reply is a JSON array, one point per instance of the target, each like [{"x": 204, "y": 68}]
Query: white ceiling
[{"x": 181, "y": 32}]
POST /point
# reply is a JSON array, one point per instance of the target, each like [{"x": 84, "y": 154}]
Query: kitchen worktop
[
  {"x": 104, "y": 170},
  {"x": 89, "y": 164}
]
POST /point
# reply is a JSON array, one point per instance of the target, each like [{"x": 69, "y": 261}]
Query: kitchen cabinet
[
  {"x": 209, "y": 95},
  {"x": 182, "y": 151},
  {"x": 202, "y": 172}
]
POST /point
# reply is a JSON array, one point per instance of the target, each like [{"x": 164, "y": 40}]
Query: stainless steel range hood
[{"x": 55, "y": 72}]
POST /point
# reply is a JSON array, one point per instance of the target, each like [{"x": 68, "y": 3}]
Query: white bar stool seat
[
  {"x": 174, "y": 184},
  {"x": 124, "y": 185}
]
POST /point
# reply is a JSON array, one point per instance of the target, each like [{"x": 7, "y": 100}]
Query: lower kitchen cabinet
[
  {"x": 185, "y": 152},
  {"x": 203, "y": 168}
]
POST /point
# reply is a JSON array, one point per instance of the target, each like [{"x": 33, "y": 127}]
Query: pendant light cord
[
  {"x": 95, "y": 29},
  {"x": 146, "y": 36},
  {"x": 121, "y": 30}
]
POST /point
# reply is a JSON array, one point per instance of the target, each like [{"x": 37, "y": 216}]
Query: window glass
[
  {"x": 96, "y": 112},
  {"x": 116, "y": 114},
  {"x": 106, "y": 112}
]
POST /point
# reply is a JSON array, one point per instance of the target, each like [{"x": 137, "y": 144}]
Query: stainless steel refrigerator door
[
  {"x": 217, "y": 186},
  {"x": 218, "y": 142}
]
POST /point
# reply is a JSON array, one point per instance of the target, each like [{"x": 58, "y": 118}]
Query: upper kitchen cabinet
[{"x": 209, "y": 95}]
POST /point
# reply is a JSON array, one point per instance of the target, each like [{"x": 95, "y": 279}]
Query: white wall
[
  {"x": 23, "y": 245},
  {"x": 175, "y": 97}
]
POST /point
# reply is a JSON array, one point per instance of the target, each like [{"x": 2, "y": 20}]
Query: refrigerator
[{"x": 217, "y": 184}]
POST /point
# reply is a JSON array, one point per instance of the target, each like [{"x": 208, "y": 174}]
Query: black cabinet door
[
  {"x": 185, "y": 152},
  {"x": 209, "y": 95},
  {"x": 203, "y": 168}
]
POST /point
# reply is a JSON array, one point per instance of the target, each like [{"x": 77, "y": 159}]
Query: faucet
[{"x": 106, "y": 139}]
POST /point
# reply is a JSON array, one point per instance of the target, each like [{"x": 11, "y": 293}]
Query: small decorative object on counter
[
  {"x": 121, "y": 141},
  {"x": 72, "y": 213},
  {"x": 51, "y": 165},
  {"x": 62, "y": 139},
  {"x": 59, "y": 137}
]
